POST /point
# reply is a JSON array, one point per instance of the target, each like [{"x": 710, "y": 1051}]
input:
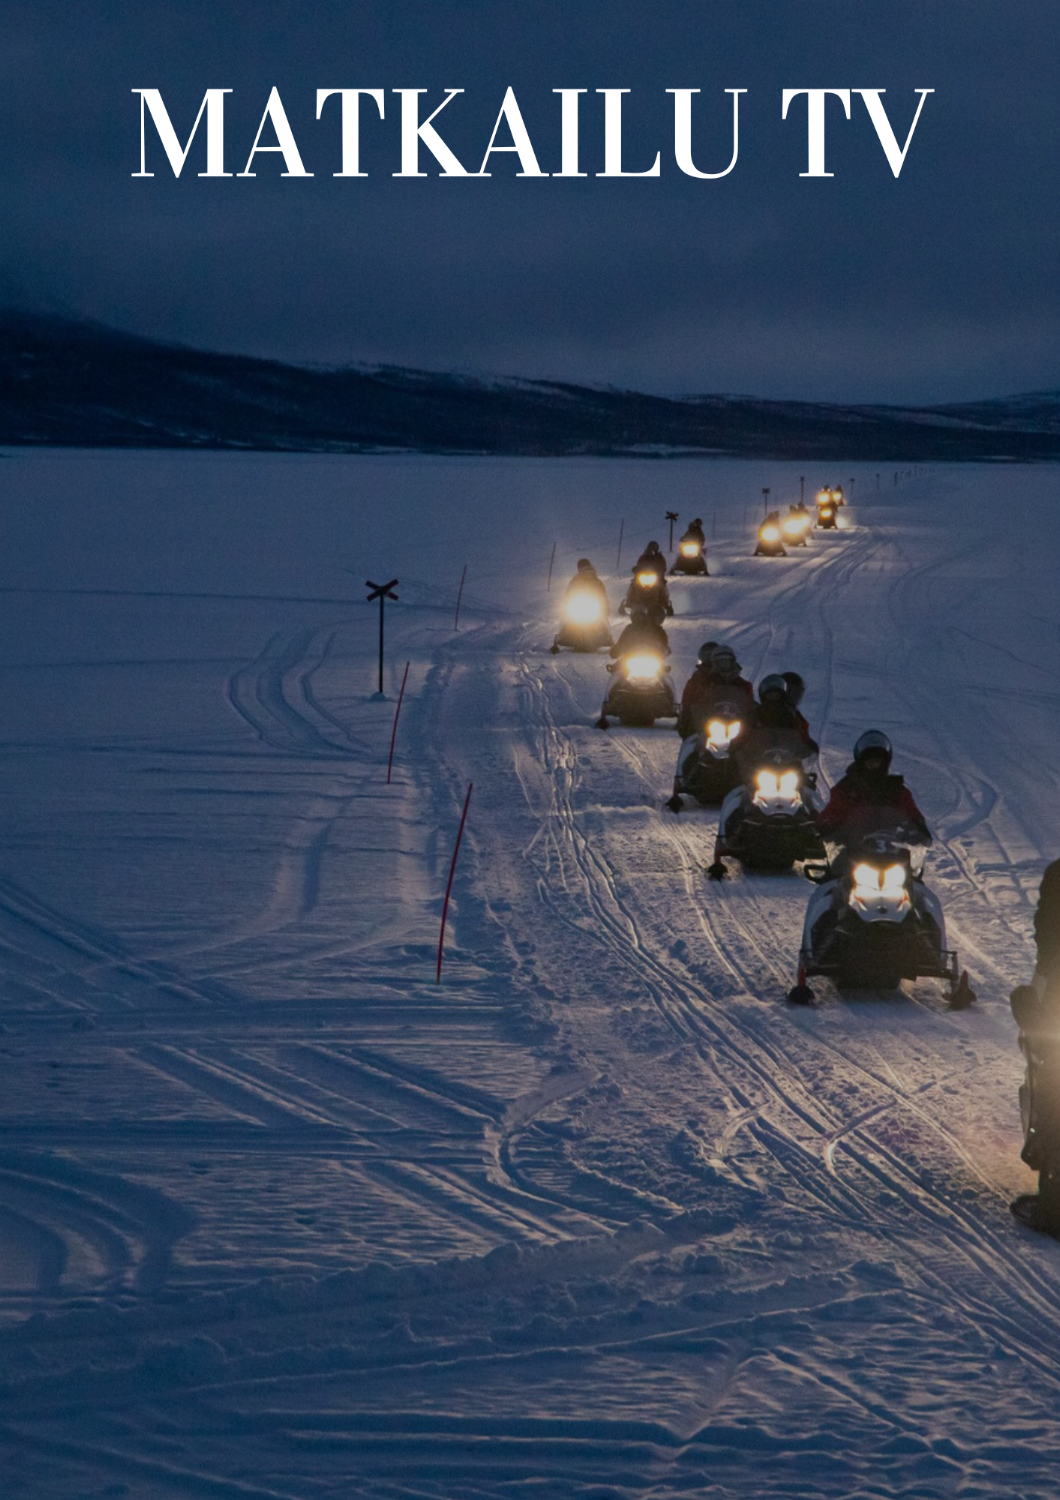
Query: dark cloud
[{"x": 940, "y": 285}]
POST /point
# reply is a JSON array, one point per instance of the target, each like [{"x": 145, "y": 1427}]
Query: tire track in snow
[
  {"x": 82, "y": 969},
  {"x": 274, "y": 695},
  {"x": 85, "y": 1230}
]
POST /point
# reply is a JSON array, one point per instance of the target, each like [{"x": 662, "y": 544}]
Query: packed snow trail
[{"x": 599, "y": 1215}]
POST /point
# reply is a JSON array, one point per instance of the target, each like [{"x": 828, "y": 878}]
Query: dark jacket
[
  {"x": 703, "y": 690},
  {"x": 1047, "y": 922},
  {"x": 587, "y": 583},
  {"x": 641, "y": 635},
  {"x": 861, "y": 805}
]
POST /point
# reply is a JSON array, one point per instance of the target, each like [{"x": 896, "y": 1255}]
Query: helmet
[
  {"x": 706, "y": 651},
  {"x": 723, "y": 662},
  {"x": 698, "y": 521},
  {"x": 774, "y": 683},
  {"x": 873, "y": 740},
  {"x": 638, "y": 612},
  {"x": 796, "y": 686},
  {"x": 585, "y": 566}
]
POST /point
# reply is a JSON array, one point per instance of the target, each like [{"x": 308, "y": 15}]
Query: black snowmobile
[
  {"x": 640, "y": 691},
  {"x": 647, "y": 590},
  {"x": 707, "y": 766},
  {"x": 770, "y": 537},
  {"x": 767, "y": 823},
  {"x": 583, "y": 621},
  {"x": 691, "y": 559},
  {"x": 872, "y": 922}
]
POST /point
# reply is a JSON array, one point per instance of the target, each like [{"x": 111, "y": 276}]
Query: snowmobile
[
  {"x": 640, "y": 692},
  {"x": 872, "y": 922},
  {"x": 1036, "y": 1014},
  {"x": 826, "y": 513},
  {"x": 691, "y": 560},
  {"x": 648, "y": 589},
  {"x": 583, "y": 622},
  {"x": 707, "y": 767},
  {"x": 795, "y": 527},
  {"x": 767, "y": 822},
  {"x": 770, "y": 537}
]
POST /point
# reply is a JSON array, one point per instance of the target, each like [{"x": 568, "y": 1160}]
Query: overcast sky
[{"x": 940, "y": 285}]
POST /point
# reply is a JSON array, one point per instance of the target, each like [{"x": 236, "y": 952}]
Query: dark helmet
[
  {"x": 585, "y": 566},
  {"x": 706, "y": 651},
  {"x": 774, "y": 683},
  {"x": 796, "y": 686},
  {"x": 723, "y": 662},
  {"x": 698, "y": 521},
  {"x": 639, "y": 613},
  {"x": 873, "y": 742}
]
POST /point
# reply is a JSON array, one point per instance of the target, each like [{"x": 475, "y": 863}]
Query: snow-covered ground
[{"x": 599, "y": 1216}]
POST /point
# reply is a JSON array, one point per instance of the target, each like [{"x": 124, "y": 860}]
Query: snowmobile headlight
[
  {"x": 789, "y": 783},
  {"x": 770, "y": 533},
  {"x": 647, "y": 580},
  {"x": 584, "y": 608},
  {"x": 689, "y": 549},
  {"x": 721, "y": 733},
  {"x": 826, "y": 511},
  {"x": 792, "y": 526},
  {"x": 766, "y": 783},
  {"x": 880, "y": 894},
  {"x": 643, "y": 668}
]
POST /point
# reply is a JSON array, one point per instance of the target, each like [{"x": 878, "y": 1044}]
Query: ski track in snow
[{"x": 600, "y": 1216}]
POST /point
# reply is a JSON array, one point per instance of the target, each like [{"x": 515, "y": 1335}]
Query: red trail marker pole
[
  {"x": 449, "y": 887},
  {"x": 459, "y": 596},
  {"x": 393, "y": 732}
]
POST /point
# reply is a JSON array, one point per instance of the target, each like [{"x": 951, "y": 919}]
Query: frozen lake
[{"x": 600, "y": 1215}]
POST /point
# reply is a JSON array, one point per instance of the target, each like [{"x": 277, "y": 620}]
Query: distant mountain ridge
[{"x": 65, "y": 383}]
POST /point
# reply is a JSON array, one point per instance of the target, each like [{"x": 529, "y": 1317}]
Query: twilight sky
[{"x": 941, "y": 285}]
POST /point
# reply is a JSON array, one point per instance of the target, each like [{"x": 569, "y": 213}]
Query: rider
[
  {"x": 869, "y": 798},
  {"x": 776, "y": 721},
  {"x": 651, "y": 557},
  {"x": 655, "y": 596},
  {"x": 1036, "y": 1007},
  {"x": 698, "y": 560},
  {"x": 586, "y": 579},
  {"x": 715, "y": 676},
  {"x": 643, "y": 633},
  {"x": 1031, "y": 1001}
]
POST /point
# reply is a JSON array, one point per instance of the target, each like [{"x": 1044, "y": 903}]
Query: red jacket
[{"x": 861, "y": 805}]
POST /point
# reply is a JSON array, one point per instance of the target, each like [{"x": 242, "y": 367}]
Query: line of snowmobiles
[
  {"x": 776, "y": 533},
  {"x": 871, "y": 920}
]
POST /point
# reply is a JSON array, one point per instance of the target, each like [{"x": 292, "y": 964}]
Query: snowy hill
[
  {"x": 599, "y": 1215},
  {"x": 64, "y": 383}
]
